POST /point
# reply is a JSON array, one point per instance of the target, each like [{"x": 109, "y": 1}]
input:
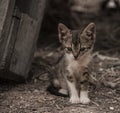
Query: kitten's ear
[
  {"x": 62, "y": 30},
  {"x": 90, "y": 30}
]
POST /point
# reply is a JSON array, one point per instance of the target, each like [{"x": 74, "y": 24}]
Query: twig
[
  {"x": 103, "y": 57},
  {"x": 95, "y": 103}
]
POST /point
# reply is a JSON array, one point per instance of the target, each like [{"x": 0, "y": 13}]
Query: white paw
[
  {"x": 84, "y": 100},
  {"x": 63, "y": 91},
  {"x": 74, "y": 100}
]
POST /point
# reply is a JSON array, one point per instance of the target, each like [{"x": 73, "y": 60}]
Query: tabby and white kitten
[
  {"x": 70, "y": 75},
  {"x": 72, "y": 69}
]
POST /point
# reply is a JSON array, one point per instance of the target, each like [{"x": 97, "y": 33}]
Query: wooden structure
[{"x": 20, "y": 22}]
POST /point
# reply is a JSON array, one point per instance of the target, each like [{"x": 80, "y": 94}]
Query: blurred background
[{"x": 78, "y": 13}]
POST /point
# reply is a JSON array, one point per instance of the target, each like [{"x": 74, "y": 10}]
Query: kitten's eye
[
  {"x": 69, "y": 48},
  {"x": 82, "y": 49}
]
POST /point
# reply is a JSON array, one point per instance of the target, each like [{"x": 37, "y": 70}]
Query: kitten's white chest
[{"x": 72, "y": 64}]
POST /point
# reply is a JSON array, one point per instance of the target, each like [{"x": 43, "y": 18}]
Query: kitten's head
[{"x": 77, "y": 42}]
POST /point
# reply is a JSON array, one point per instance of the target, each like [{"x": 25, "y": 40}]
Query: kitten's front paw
[
  {"x": 75, "y": 100},
  {"x": 84, "y": 100}
]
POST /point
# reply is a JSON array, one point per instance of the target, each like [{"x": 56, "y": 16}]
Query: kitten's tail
[{"x": 54, "y": 86}]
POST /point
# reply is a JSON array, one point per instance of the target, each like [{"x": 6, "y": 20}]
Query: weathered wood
[
  {"x": 27, "y": 35},
  {"x": 18, "y": 36},
  {"x": 8, "y": 50},
  {"x": 22, "y": 55},
  {"x": 6, "y": 10},
  {"x": 12, "y": 35},
  {"x": 34, "y": 8}
]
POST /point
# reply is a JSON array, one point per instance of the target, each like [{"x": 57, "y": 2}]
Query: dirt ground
[{"x": 32, "y": 97}]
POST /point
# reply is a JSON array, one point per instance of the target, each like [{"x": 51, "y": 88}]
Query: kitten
[{"x": 70, "y": 75}]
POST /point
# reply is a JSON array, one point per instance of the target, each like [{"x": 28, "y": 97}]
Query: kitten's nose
[{"x": 76, "y": 56}]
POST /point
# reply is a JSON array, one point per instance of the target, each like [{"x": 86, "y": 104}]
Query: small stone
[
  {"x": 49, "y": 54},
  {"x": 111, "y": 108},
  {"x": 100, "y": 69},
  {"x": 36, "y": 91},
  {"x": 100, "y": 64}
]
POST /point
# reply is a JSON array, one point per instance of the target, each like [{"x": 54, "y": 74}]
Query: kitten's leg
[
  {"x": 84, "y": 99},
  {"x": 74, "y": 97},
  {"x": 63, "y": 84}
]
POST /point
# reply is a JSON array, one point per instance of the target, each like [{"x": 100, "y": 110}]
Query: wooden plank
[
  {"x": 27, "y": 35},
  {"x": 19, "y": 31},
  {"x": 9, "y": 47},
  {"x": 34, "y": 8},
  {"x": 11, "y": 37},
  {"x": 6, "y": 10},
  {"x": 24, "y": 46}
]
